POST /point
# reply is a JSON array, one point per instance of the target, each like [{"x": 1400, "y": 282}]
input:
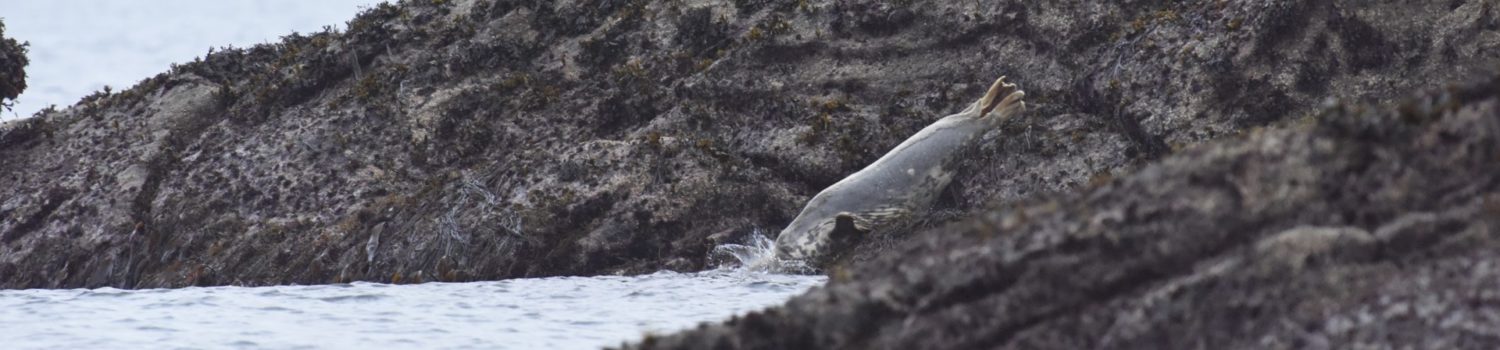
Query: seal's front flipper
[{"x": 845, "y": 228}]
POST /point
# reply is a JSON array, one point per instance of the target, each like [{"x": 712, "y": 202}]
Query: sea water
[
  {"x": 528, "y": 313},
  {"x": 533, "y": 313}
]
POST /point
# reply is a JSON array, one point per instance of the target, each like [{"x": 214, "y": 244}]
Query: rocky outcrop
[
  {"x": 458, "y": 140},
  {"x": 1365, "y": 227}
]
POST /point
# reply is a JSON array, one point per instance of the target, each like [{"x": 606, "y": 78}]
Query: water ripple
[
  {"x": 550, "y": 313},
  {"x": 353, "y": 298}
]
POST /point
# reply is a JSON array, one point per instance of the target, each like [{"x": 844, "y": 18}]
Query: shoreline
[{"x": 478, "y": 140}]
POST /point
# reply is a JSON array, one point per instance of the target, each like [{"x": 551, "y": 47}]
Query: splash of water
[{"x": 757, "y": 255}]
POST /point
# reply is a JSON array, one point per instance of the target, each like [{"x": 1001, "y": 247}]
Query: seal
[{"x": 903, "y": 181}]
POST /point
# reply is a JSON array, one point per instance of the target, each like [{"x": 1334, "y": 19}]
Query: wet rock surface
[
  {"x": 462, "y": 140},
  {"x": 1366, "y": 227}
]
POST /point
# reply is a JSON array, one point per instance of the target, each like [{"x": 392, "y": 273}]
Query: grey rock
[
  {"x": 620, "y": 137},
  {"x": 1367, "y": 227}
]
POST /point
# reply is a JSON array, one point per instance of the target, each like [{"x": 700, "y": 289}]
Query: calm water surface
[{"x": 541, "y": 313}]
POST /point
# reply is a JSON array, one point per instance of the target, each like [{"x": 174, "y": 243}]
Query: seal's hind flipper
[{"x": 993, "y": 99}]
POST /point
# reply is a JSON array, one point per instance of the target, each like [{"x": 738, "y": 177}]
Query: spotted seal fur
[{"x": 903, "y": 181}]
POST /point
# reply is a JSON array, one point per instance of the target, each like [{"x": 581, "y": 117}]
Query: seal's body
[{"x": 903, "y": 181}]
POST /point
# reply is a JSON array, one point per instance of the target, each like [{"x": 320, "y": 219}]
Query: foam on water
[{"x": 537, "y": 313}]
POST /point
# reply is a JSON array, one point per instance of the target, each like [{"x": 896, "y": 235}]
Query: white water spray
[{"x": 757, "y": 255}]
